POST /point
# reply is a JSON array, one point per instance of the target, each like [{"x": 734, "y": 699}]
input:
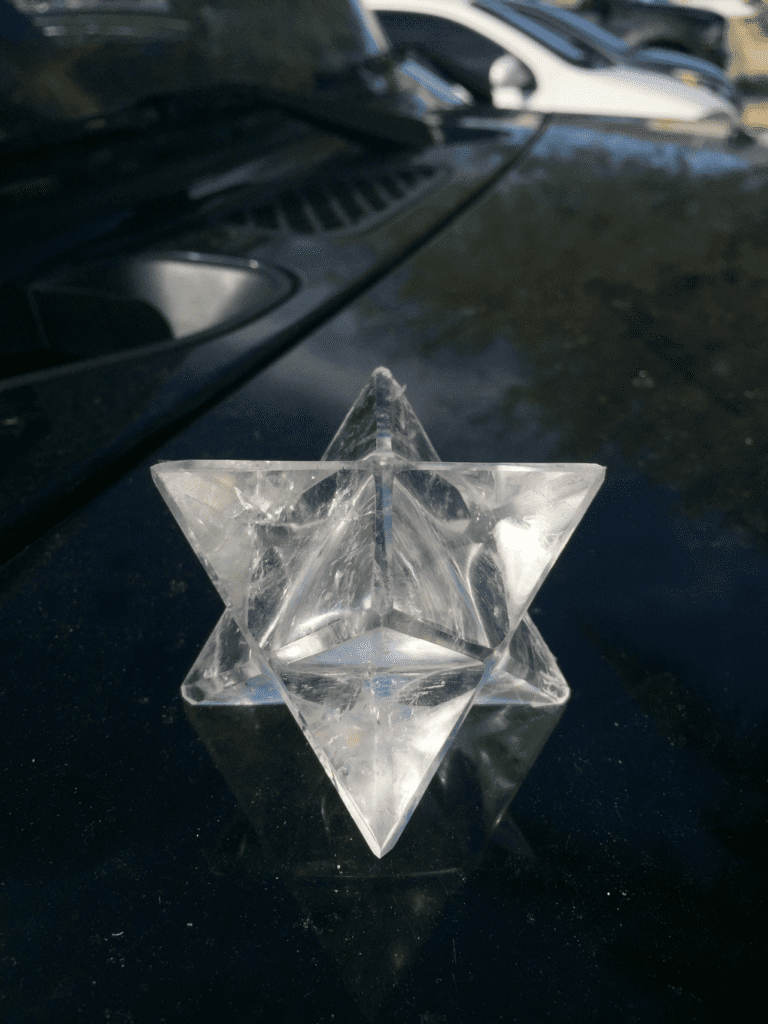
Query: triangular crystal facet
[{"x": 373, "y": 587}]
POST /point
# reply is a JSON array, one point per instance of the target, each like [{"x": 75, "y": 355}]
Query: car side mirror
[
  {"x": 508, "y": 78},
  {"x": 508, "y": 72}
]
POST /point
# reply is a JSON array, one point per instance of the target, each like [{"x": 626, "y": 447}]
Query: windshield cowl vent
[{"x": 340, "y": 204}]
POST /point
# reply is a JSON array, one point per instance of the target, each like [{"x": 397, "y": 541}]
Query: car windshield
[
  {"x": 70, "y": 62},
  {"x": 562, "y": 39}
]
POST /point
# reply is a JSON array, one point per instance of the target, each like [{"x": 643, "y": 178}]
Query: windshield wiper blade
[{"x": 363, "y": 118}]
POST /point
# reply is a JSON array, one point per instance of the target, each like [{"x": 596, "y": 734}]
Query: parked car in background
[
  {"x": 551, "y": 61},
  {"x": 659, "y": 23},
  {"x": 693, "y": 70},
  {"x": 725, "y": 8}
]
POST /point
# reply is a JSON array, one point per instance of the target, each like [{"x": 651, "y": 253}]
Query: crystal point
[
  {"x": 381, "y": 421},
  {"x": 375, "y": 590}
]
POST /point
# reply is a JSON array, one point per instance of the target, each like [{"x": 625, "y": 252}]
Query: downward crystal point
[{"x": 379, "y": 710}]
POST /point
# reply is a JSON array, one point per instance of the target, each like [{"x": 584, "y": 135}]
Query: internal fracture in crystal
[{"x": 377, "y": 592}]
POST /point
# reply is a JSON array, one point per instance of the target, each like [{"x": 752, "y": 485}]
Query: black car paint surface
[{"x": 602, "y": 301}]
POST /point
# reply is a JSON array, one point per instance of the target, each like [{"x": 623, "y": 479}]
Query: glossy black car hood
[
  {"x": 603, "y": 302},
  {"x": 64, "y": 423}
]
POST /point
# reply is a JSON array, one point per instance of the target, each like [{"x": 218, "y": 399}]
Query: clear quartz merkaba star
[{"x": 378, "y": 592}]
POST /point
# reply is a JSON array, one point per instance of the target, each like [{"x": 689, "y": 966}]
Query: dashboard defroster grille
[{"x": 340, "y": 204}]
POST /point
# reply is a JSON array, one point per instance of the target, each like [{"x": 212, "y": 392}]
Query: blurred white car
[
  {"x": 725, "y": 8},
  {"x": 521, "y": 64}
]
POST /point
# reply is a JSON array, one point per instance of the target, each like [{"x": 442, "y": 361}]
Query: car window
[
  {"x": 454, "y": 49},
  {"x": 558, "y": 40},
  {"x": 576, "y": 29}
]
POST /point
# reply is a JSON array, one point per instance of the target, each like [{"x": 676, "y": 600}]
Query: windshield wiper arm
[{"x": 364, "y": 118}]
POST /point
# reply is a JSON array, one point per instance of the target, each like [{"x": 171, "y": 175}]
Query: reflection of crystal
[
  {"x": 377, "y": 592},
  {"x": 372, "y": 927}
]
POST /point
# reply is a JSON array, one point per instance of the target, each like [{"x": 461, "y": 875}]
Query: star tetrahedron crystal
[{"x": 375, "y": 590}]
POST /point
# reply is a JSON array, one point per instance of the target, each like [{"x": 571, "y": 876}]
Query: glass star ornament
[{"x": 377, "y": 592}]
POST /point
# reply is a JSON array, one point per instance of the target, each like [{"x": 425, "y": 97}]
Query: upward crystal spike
[
  {"x": 381, "y": 420},
  {"x": 377, "y": 588}
]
